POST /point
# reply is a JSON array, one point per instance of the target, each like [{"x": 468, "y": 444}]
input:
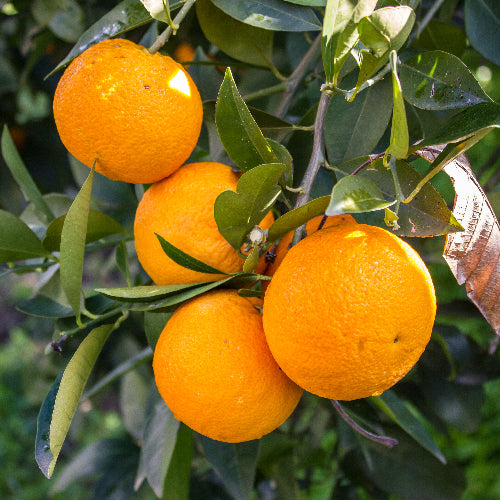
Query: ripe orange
[
  {"x": 184, "y": 52},
  {"x": 181, "y": 209},
  {"x": 138, "y": 114},
  {"x": 349, "y": 311},
  {"x": 312, "y": 226},
  {"x": 214, "y": 370}
]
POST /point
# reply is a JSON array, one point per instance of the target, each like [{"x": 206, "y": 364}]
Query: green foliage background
[{"x": 453, "y": 394}]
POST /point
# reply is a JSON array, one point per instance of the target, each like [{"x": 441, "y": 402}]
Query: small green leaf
[
  {"x": 237, "y": 213},
  {"x": 144, "y": 293},
  {"x": 99, "y": 226},
  {"x": 158, "y": 442},
  {"x": 392, "y": 406},
  {"x": 356, "y": 194},
  {"x": 297, "y": 217},
  {"x": 238, "y": 130},
  {"x": 73, "y": 246},
  {"x": 23, "y": 177},
  {"x": 239, "y": 40},
  {"x": 235, "y": 463},
  {"x": 271, "y": 15},
  {"x": 251, "y": 261},
  {"x": 62, "y": 400},
  {"x": 122, "y": 261},
  {"x": 400, "y": 137},
  {"x": 184, "y": 259},
  {"x": 17, "y": 240},
  {"x": 437, "y": 80}
]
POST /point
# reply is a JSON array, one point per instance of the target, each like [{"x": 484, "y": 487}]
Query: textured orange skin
[
  {"x": 215, "y": 372},
  {"x": 349, "y": 311},
  {"x": 181, "y": 209},
  {"x": 118, "y": 103},
  {"x": 311, "y": 227}
]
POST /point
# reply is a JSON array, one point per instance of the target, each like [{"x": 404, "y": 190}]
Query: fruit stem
[
  {"x": 385, "y": 440},
  {"x": 161, "y": 40}
]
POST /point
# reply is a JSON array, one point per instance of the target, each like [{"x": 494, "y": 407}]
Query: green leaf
[
  {"x": 73, "y": 246},
  {"x": 62, "y": 400},
  {"x": 154, "y": 323},
  {"x": 122, "y": 261},
  {"x": 45, "y": 307},
  {"x": 355, "y": 194},
  {"x": 99, "y": 226},
  {"x": 349, "y": 36},
  {"x": 17, "y": 240},
  {"x": 179, "y": 473},
  {"x": 471, "y": 120},
  {"x": 271, "y": 15},
  {"x": 184, "y": 259},
  {"x": 237, "y": 213},
  {"x": 239, "y": 40},
  {"x": 437, "y": 80},
  {"x": 238, "y": 131},
  {"x": 337, "y": 15},
  {"x": 482, "y": 26},
  {"x": 22, "y": 176},
  {"x": 159, "y": 10},
  {"x": 443, "y": 36},
  {"x": 158, "y": 442},
  {"x": 297, "y": 217},
  {"x": 426, "y": 215},
  {"x": 64, "y": 18},
  {"x": 400, "y": 137},
  {"x": 235, "y": 463},
  {"x": 144, "y": 293},
  {"x": 392, "y": 406},
  {"x": 353, "y": 129}
]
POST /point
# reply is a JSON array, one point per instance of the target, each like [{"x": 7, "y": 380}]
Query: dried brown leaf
[{"x": 474, "y": 254}]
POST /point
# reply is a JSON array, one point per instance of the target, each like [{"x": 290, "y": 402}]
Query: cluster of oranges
[{"x": 338, "y": 318}]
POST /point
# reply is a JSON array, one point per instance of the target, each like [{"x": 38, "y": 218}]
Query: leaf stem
[
  {"x": 384, "y": 440},
  {"x": 317, "y": 158},
  {"x": 296, "y": 77},
  {"x": 102, "y": 317},
  {"x": 161, "y": 40}
]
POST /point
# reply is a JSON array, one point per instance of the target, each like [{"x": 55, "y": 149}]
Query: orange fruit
[
  {"x": 181, "y": 209},
  {"x": 349, "y": 311},
  {"x": 138, "y": 114},
  {"x": 214, "y": 370},
  {"x": 184, "y": 52},
  {"x": 312, "y": 225}
]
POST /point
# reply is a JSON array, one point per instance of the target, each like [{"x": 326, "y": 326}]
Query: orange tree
[{"x": 322, "y": 108}]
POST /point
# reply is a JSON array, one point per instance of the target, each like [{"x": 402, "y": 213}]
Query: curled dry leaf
[{"x": 474, "y": 254}]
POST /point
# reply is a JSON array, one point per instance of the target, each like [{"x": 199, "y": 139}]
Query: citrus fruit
[
  {"x": 278, "y": 254},
  {"x": 349, "y": 311},
  {"x": 184, "y": 52},
  {"x": 180, "y": 208},
  {"x": 138, "y": 114},
  {"x": 214, "y": 370}
]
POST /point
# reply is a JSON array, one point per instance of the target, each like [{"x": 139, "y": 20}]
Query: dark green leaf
[
  {"x": 185, "y": 260},
  {"x": 17, "y": 240},
  {"x": 482, "y": 26},
  {"x": 158, "y": 442},
  {"x": 297, "y": 217},
  {"x": 470, "y": 121},
  {"x": 64, "y": 19},
  {"x": 271, "y": 15},
  {"x": 392, "y": 406},
  {"x": 353, "y": 129},
  {"x": 356, "y": 194},
  {"x": 237, "y": 213},
  {"x": 437, "y": 80},
  {"x": 62, "y": 400},
  {"x": 238, "y": 131},
  {"x": 99, "y": 226},
  {"x": 122, "y": 262},
  {"x": 443, "y": 36},
  {"x": 426, "y": 215},
  {"x": 154, "y": 323},
  {"x": 73, "y": 246},
  {"x": 239, "y": 40},
  {"x": 178, "y": 475},
  {"x": 235, "y": 463},
  {"x": 22, "y": 176},
  {"x": 45, "y": 307}
]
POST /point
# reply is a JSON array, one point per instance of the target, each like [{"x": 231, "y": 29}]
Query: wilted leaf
[
  {"x": 235, "y": 463},
  {"x": 271, "y": 14},
  {"x": 239, "y": 40},
  {"x": 62, "y": 400},
  {"x": 237, "y": 213},
  {"x": 238, "y": 131},
  {"x": 474, "y": 254}
]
